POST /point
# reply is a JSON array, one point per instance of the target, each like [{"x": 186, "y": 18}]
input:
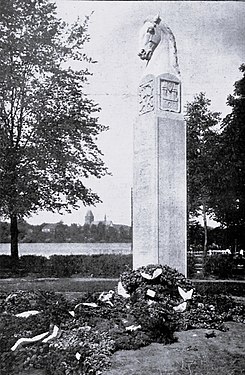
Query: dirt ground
[{"x": 193, "y": 354}]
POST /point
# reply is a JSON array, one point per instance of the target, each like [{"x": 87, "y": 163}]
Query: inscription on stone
[
  {"x": 169, "y": 96},
  {"x": 146, "y": 97}
]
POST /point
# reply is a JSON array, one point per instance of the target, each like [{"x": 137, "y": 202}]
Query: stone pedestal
[{"x": 159, "y": 188}]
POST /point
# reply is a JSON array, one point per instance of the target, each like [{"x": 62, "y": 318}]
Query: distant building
[
  {"x": 49, "y": 228},
  {"x": 108, "y": 223},
  {"x": 89, "y": 219}
]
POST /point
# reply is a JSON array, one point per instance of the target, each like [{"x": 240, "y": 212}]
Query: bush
[
  {"x": 33, "y": 263},
  {"x": 211, "y": 287},
  {"x": 87, "y": 265},
  {"x": 5, "y": 262},
  {"x": 103, "y": 265},
  {"x": 191, "y": 262},
  {"x": 67, "y": 265},
  {"x": 222, "y": 266}
]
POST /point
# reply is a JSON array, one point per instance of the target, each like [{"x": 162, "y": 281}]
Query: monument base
[{"x": 159, "y": 193}]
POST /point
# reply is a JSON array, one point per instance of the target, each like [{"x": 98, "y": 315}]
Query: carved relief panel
[
  {"x": 146, "y": 97},
  {"x": 169, "y": 96}
]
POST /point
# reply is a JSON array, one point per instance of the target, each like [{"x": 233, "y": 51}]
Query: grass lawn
[
  {"x": 78, "y": 285},
  {"x": 63, "y": 285}
]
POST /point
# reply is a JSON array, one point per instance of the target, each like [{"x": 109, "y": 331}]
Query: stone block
[{"x": 159, "y": 189}]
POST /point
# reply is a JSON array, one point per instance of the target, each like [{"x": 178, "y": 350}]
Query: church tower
[{"x": 89, "y": 217}]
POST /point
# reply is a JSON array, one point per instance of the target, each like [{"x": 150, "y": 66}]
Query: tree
[
  {"x": 48, "y": 125},
  {"x": 202, "y": 140},
  {"x": 86, "y": 232},
  {"x": 111, "y": 234},
  {"x": 75, "y": 233},
  {"x": 230, "y": 206},
  {"x": 101, "y": 228},
  {"x": 195, "y": 234},
  {"x": 60, "y": 233}
]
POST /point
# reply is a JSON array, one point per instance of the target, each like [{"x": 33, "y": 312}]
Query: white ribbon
[
  {"x": 185, "y": 295},
  {"x": 106, "y": 297},
  {"x": 133, "y": 328},
  {"x": 89, "y": 304},
  {"x": 122, "y": 291},
  {"x": 29, "y": 339},
  {"x": 181, "y": 307},
  {"x": 36, "y": 338},
  {"x": 26, "y": 314},
  {"x": 155, "y": 274},
  {"x": 53, "y": 334}
]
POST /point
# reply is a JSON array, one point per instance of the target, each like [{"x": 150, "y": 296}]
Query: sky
[{"x": 210, "y": 42}]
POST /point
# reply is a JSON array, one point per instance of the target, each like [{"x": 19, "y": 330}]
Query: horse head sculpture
[{"x": 158, "y": 48}]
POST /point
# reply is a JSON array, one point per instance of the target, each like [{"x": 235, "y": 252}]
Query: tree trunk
[
  {"x": 14, "y": 239},
  {"x": 205, "y": 245}
]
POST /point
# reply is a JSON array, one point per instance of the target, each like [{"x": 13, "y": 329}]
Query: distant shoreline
[{"x": 68, "y": 248}]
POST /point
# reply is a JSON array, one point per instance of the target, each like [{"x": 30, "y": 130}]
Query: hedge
[
  {"x": 110, "y": 265},
  {"x": 103, "y": 265},
  {"x": 223, "y": 266}
]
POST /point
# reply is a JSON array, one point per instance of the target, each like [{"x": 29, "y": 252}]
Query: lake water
[{"x": 48, "y": 249}]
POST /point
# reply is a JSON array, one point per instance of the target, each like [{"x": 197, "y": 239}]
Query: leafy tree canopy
[
  {"x": 48, "y": 126},
  {"x": 230, "y": 209},
  {"x": 201, "y": 162},
  {"x": 202, "y": 140}
]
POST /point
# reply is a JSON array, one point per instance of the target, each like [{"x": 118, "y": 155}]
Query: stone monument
[{"x": 159, "y": 186}]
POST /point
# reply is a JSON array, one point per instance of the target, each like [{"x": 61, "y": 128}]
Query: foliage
[
  {"x": 195, "y": 235},
  {"x": 202, "y": 140},
  {"x": 220, "y": 266},
  {"x": 4, "y": 232},
  {"x": 191, "y": 265},
  {"x": 224, "y": 266},
  {"x": 219, "y": 237},
  {"x": 96, "y": 265},
  {"x": 224, "y": 287},
  {"x": 48, "y": 126},
  {"x": 230, "y": 205},
  {"x": 169, "y": 279},
  {"x": 73, "y": 233},
  {"x": 96, "y": 332},
  {"x": 103, "y": 265},
  {"x": 5, "y": 262},
  {"x": 201, "y": 144},
  {"x": 33, "y": 264}
]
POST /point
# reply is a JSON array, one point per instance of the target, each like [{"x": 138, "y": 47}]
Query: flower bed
[{"x": 77, "y": 337}]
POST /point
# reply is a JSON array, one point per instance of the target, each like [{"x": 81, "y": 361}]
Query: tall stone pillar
[{"x": 159, "y": 185}]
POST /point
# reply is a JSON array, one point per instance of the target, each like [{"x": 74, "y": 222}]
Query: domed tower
[{"x": 89, "y": 217}]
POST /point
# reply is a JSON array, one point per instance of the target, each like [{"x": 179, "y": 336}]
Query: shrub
[
  {"x": 220, "y": 265},
  {"x": 33, "y": 263},
  {"x": 191, "y": 262},
  {"x": 5, "y": 262},
  {"x": 85, "y": 265}
]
